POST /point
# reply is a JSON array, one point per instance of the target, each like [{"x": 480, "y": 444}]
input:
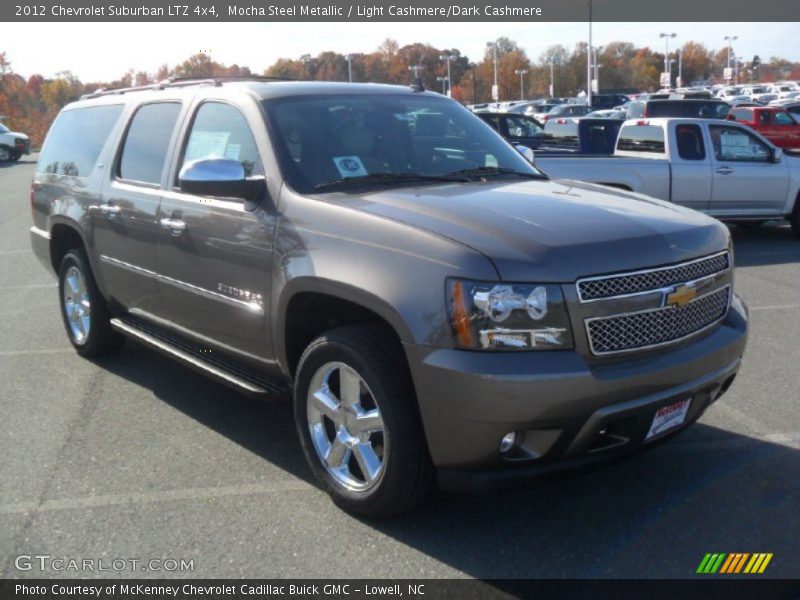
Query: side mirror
[
  {"x": 526, "y": 152},
  {"x": 219, "y": 177},
  {"x": 777, "y": 153}
]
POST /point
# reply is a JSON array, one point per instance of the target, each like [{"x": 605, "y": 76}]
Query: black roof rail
[{"x": 182, "y": 82}]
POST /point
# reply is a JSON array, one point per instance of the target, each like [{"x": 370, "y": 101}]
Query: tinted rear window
[
  {"x": 76, "y": 139},
  {"x": 147, "y": 142},
  {"x": 641, "y": 138}
]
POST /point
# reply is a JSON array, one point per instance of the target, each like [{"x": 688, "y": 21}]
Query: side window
[
  {"x": 519, "y": 127},
  {"x": 144, "y": 151},
  {"x": 742, "y": 114},
  {"x": 76, "y": 139},
  {"x": 784, "y": 119},
  {"x": 734, "y": 144},
  {"x": 220, "y": 131},
  {"x": 690, "y": 142},
  {"x": 641, "y": 138},
  {"x": 764, "y": 118}
]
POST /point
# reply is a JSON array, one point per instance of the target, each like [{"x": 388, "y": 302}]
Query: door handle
[
  {"x": 724, "y": 170},
  {"x": 109, "y": 210},
  {"x": 174, "y": 226}
]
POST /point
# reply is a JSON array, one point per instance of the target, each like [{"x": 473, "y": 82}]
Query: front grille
[
  {"x": 649, "y": 328},
  {"x": 623, "y": 284}
]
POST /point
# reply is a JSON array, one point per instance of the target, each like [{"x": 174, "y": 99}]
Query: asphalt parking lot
[{"x": 138, "y": 457}]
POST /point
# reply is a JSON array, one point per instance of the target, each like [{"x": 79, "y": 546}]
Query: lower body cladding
[{"x": 562, "y": 411}]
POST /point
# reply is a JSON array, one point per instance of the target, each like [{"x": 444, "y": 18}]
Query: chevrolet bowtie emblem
[{"x": 680, "y": 296}]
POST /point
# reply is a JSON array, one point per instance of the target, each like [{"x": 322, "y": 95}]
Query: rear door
[
  {"x": 125, "y": 223},
  {"x": 215, "y": 254},
  {"x": 745, "y": 180},
  {"x": 691, "y": 167}
]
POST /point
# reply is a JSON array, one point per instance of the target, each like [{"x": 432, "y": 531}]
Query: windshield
[
  {"x": 382, "y": 139},
  {"x": 4, "y": 129}
]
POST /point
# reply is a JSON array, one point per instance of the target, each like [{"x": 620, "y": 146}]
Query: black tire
[
  {"x": 750, "y": 224},
  {"x": 5, "y": 153},
  {"x": 795, "y": 218},
  {"x": 407, "y": 472},
  {"x": 101, "y": 339}
]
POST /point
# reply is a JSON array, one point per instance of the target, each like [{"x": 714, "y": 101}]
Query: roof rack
[{"x": 174, "y": 82}]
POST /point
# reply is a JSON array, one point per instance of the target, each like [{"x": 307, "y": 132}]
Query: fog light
[{"x": 508, "y": 441}]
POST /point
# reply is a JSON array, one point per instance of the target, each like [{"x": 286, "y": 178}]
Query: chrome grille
[
  {"x": 623, "y": 284},
  {"x": 655, "y": 327}
]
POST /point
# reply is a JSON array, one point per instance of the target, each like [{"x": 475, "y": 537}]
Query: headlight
[{"x": 500, "y": 316}]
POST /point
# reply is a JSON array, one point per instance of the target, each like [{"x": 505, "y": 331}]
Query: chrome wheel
[
  {"x": 346, "y": 427},
  {"x": 77, "y": 307},
  {"x": 4, "y": 154}
]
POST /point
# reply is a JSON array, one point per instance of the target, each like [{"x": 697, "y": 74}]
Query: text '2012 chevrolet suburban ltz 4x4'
[{"x": 434, "y": 305}]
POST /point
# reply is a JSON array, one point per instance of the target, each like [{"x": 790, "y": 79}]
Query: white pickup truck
[{"x": 721, "y": 168}]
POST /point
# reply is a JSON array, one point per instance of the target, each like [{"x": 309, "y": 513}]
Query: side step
[{"x": 225, "y": 371}]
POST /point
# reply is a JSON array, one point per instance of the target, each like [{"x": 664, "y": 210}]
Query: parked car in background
[
  {"x": 539, "y": 111},
  {"x": 690, "y": 109},
  {"x": 775, "y": 124},
  {"x": 729, "y": 92},
  {"x": 565, "y": 111},
  {"x": 607, "y": 101},
  {"x": 520, "y": 130},
  {"x": 781, "y": 90},
  {"x": 13, "y": 145},
  {"x": 612, "y": 113},
  {"x": 722, "y": 168}
]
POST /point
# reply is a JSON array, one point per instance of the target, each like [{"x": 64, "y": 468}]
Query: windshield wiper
[
  {"x": 390, "y": 178},
  {"x": 494, "y": 171}
]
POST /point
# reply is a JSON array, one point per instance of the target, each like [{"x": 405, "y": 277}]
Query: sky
[{"x": 105, "y": 51}]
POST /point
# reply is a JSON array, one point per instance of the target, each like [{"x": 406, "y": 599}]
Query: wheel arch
[{"x": 309, "y": 306}]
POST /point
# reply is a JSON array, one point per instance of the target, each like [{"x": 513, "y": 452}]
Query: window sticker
[
  {"x": 207, "y": 144},
  {"x": 350, "y": 166},
  {"x": 232, "y": 151}
]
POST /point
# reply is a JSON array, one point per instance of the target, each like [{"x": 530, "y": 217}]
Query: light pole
[
  {"x": 495, "y": 88},
  {"x": 552, "y": 80},
  {"x": 416, "y": 69},
  {"x": 680, "y": 67},
  {"x": 349, "y": 59},
  {"x": 445, "y": 81},
  {"x": 596, "y": 67},
  {"x": 730, "y": 39},
  {"x": 589, "y": 61},
  {"x": 667, "y": 37},
  {"x": 448, "y": 58},
  {"x": 521, "y": 73}
]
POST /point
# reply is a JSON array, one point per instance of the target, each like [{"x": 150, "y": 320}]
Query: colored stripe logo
[{"x": 733, "y": 563}]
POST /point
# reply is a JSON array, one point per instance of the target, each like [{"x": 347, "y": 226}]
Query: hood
[{"x": 551, "y": 231}]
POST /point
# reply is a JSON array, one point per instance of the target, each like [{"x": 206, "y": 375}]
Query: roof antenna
[{"x": 417, "y": 86}]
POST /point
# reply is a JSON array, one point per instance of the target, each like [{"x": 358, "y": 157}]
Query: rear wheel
[
  {"x": 358, "y": 424},
  {"x": 84, "y": 310}
]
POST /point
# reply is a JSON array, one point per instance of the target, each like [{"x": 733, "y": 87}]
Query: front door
[
  {"x": 215, "y": 254},
  {"x": 746, "y": 181}
]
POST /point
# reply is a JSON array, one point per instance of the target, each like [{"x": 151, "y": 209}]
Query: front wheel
[
  {"x": 84, "y": 310},
  {"x": 358, "y": 423}
]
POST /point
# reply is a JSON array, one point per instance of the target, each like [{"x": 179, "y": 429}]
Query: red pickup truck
[{"x": 774, "y": 123}]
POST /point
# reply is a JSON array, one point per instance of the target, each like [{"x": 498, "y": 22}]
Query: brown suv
[{"x": 433, "y": 303}]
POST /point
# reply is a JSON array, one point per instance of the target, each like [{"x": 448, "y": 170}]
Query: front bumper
[{"x": 559, "y": 403}]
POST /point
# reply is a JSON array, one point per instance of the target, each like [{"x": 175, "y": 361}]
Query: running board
[{"x": 223, "y": 370}]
